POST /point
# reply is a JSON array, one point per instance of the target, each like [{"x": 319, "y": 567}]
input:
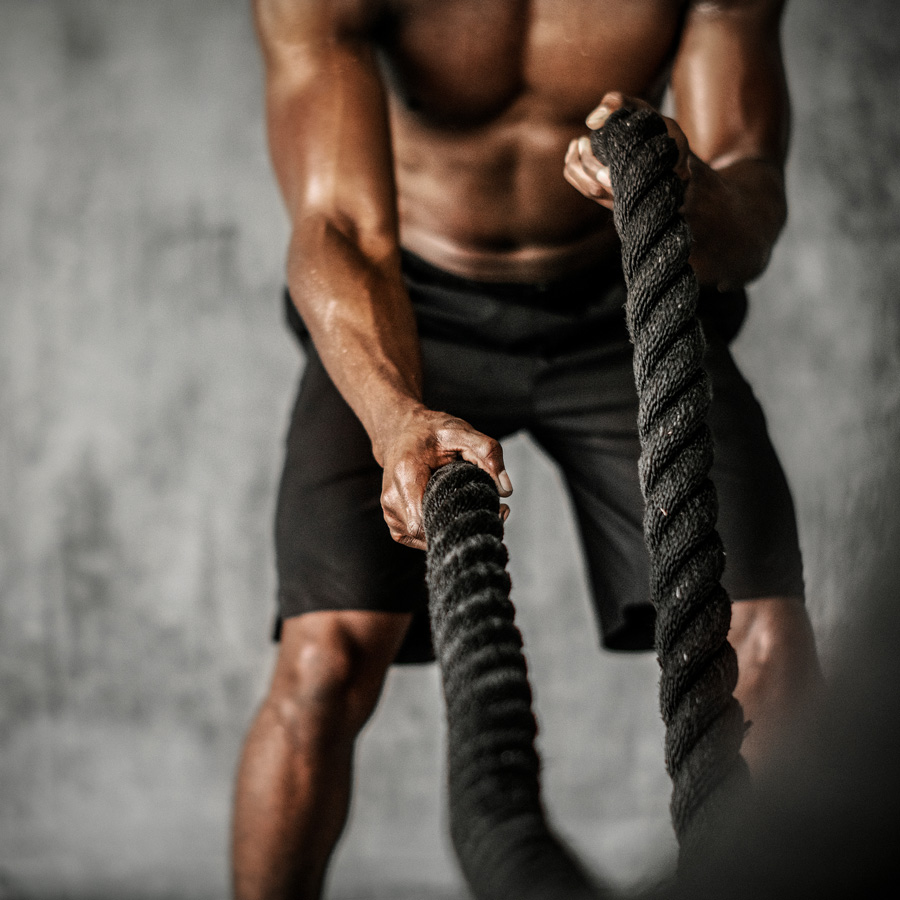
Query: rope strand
[
  {"x": 704, "y": 723},
  {"x": 497, "y": 822}
]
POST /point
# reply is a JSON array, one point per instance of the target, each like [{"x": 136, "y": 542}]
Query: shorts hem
[
  {"x": 417, "y": 646},
  {"x": 293, "y": 601},
  {"x": 794, "y": 589}
]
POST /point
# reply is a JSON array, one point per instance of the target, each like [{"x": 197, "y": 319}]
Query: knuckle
[
  {"x": 445, "y": 432},
  {"x": 410, "y": 540},
  {"x": 590, "y": 187},
  {"x": 452, "y": 432},
  {"x": 491, "y": 450}
]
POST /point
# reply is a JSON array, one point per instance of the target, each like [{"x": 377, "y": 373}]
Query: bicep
[
  {"x": 728, "y": 82},
  {"x": 327, "y": 120}
]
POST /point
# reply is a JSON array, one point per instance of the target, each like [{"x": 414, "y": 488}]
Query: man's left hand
[{"x": 586, "y": 173}]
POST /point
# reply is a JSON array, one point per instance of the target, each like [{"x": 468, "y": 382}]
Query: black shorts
[{"x": 553, "y": 359}]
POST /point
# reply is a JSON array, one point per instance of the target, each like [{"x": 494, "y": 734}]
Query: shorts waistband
[
  {"x": 596, "y": 287},
  {"x": 571, "y": 290}
]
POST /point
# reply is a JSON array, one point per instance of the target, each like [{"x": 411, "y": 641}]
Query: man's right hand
[{"x": 425, "y": 440}]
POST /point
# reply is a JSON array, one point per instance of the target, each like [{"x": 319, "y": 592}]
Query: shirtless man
[{"x": 455, "y": 130}]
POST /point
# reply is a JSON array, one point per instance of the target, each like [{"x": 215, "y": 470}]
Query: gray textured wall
[{"x": 144, "y": 384}]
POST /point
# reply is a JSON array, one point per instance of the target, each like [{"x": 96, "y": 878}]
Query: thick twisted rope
[
  {"x": 497, "y": 822},
  {"x": 704, "y": 723}
]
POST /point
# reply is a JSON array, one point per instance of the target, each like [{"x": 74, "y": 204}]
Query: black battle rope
[
  {"x": 704, "y": 723},
  {"x": 497, "y": 822}
]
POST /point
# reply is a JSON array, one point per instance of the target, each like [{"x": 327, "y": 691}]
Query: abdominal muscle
[{"x": 491, "y": 203}]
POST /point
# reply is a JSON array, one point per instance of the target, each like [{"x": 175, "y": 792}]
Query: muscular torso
[
  {"x": 484, "y": 97},
  {"x": 460, "y": 116}
]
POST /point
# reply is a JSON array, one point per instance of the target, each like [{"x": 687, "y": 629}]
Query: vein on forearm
[{"x": 359, "y": 317}]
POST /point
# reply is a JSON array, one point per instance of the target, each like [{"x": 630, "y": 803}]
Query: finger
[
  {"x": 487, "y": 454},
  {"x": 594, "y": 168},
  {"x": 401, "y": 502},
  {"x": 593, "y": 190},
  {"x": 577, "y": 176},
  {"x": 597, "y": 117},
  {"x": 504, "y": 512},
  {"x": 409, "y": 540},
  {"x": 409, "y": 534},
  {"x": 682, "y": 168},
  {"x": 617, "y": 100},
  {"x": 574, "y": 172},
  {"x": 580, "y": 161},
  {"x": 612, "y": 100},
  {"x": 411, "y": 478},
  {"x": 415, "y": 534}
]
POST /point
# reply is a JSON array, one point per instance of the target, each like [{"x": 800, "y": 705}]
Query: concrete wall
[{"x": 144, "y": 383}]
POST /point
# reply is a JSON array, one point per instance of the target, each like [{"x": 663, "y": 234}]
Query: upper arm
[
  {"x": 327, "y": 118},
  {"x": 728, "y": 82}
]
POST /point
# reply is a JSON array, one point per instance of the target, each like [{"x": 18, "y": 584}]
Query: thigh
[
  {"x": 333, "y": 548},
  {"x": 489, "y": 388},
  {"x": 588, "y": 423},
  {"x": 756, "y": 520}
]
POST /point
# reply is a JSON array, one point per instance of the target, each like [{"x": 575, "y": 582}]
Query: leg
[
  {"x": 778, "y": 671},
  {"x": 770, "y": 628},
  {"x": 293, "y": 786},
  {"x": 345, "y": 592},
  {"x": 596, "y": 445}
]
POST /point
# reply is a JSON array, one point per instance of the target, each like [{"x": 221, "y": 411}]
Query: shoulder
[{"x": 300, "y": 20}]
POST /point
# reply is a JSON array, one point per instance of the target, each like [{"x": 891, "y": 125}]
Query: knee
[
  {"x": 324, "y": 688},
  {"x": 773, "y": 637},
  {"x": 778, "y": 673}
]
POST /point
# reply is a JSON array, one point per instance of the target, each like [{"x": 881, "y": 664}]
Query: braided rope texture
[
  {"x": 497, "y": 821},
  {"x": 704, "y": 723}
]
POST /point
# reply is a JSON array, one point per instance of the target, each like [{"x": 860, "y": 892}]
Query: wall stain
[
  {"x": 89, "y": 559},
  {"x": 84, "y": 40},
  {"x": 195, "y": 260}
]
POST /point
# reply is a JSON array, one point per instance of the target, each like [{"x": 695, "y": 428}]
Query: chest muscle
[{"x": 465, "y": 62}]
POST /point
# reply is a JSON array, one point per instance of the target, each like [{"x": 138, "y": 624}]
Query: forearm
[
  {"x": 735, "y": 213},
  {"x": 360, "y": 319},
  {"x": 331, "y": 150},
  {"x": 329, "y": 135}
]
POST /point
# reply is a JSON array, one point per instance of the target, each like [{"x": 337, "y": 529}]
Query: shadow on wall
[{"x": 825, "y": 822}]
